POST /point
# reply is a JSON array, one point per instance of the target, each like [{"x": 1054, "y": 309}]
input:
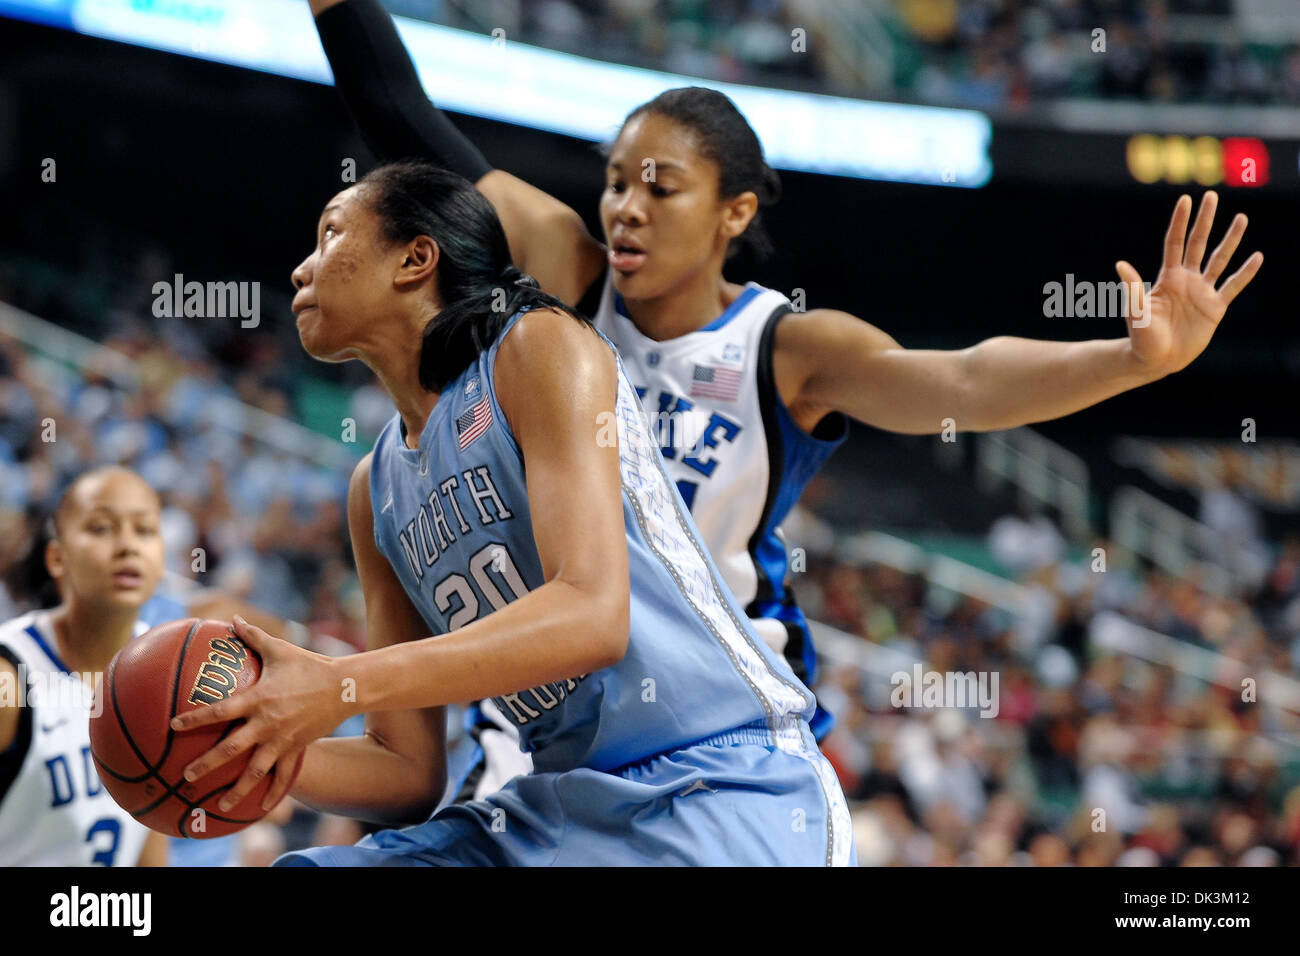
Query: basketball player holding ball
[
  {"x": 767, "y": 389},
  {"x": 517, "y": 538}
]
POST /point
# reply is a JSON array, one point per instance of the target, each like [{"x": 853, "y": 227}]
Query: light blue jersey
[
  {"x": 737, "y": 455},
  {"x": 697, "y": 704}
]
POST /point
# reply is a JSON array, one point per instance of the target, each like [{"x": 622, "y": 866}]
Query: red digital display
[{"x": 1245, "y": 161}]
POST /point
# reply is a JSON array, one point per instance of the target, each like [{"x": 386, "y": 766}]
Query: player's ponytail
[
  {"x": 724, "y": 136},
  {"x": 27, "y": 579},
  {"x": 478, "y": 283}
]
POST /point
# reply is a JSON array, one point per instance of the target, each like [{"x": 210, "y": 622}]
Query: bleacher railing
[
  {"x": 858, "y": 48},
  {"x": 1171, "y": 540},
  {"x": 1041, "y": 470},
  {"x": 1114, "y": 632},
  {"x": 1269, "y": 469},
  {"x": 81, "y": 354},
  {"x": 1107, "y": 630},
  {"x": 876, "y": 547}
]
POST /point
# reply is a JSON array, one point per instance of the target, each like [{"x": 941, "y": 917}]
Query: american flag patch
[
  {"x": 473, "y": 423},
  {"x": 709, "y": 381}
]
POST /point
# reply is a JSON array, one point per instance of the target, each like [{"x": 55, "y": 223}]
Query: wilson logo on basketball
[{"x": 216, "y": 678}]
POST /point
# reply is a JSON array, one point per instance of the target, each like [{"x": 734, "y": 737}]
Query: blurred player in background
[
  {"x": 104, "y": 560},
  {"x": 751, "y": 395},
  {"x": 91, "y": 563},
  {"x": 516, "y": 507}
]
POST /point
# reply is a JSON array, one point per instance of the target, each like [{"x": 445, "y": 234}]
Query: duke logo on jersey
[
  {"x": 737, "y": 456},
  {"x": 54, "y": 811}
]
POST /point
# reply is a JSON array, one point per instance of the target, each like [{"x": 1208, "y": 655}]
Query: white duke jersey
[
  {"x": 739, "y": 459},
  {"x": 53, "y": 809}
]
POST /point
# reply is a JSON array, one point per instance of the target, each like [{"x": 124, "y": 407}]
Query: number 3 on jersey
[{"x": 113, "y": 829}]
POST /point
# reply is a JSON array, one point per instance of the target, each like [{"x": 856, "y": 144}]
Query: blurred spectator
[
  {"x": 260, "y": 844},
  {"x": 990, "y": 54},
  {"x": 1188, "y": 772},
  {"x": 1026, "y": 541}
]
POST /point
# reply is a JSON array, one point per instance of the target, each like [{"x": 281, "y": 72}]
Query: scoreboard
[
  {"x": 1205, "y": 160},
  {"x": 1125, "y": 159}
]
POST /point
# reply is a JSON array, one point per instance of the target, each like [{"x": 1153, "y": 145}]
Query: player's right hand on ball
[{"x": 295, "y": 701}]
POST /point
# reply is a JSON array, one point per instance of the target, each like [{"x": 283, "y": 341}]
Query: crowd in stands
[
  {"x": 998, "y": 55},
  {"x": 178, "y": 400},
  {"x": 1004, "y": 54},
  {"x": 270, "y": 525},
  {"x": 241, "y": 515},
  {"x": 1187, "y": 772}
]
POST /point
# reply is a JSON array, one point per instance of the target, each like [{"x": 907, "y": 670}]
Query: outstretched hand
[
  {"x": 1173, "y": 323},
  {"x": 296, "y": 699}
]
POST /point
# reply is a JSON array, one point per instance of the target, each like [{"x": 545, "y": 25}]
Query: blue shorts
[{"x": 730, "y": 800}]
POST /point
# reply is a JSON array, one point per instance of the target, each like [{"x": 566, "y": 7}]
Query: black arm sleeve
[{"x": 381, "y": 89}]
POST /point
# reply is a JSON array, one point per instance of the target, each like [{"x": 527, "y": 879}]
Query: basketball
[
  {"x": 170, "y": 670},
  {"x": 632, "y": 433}
]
